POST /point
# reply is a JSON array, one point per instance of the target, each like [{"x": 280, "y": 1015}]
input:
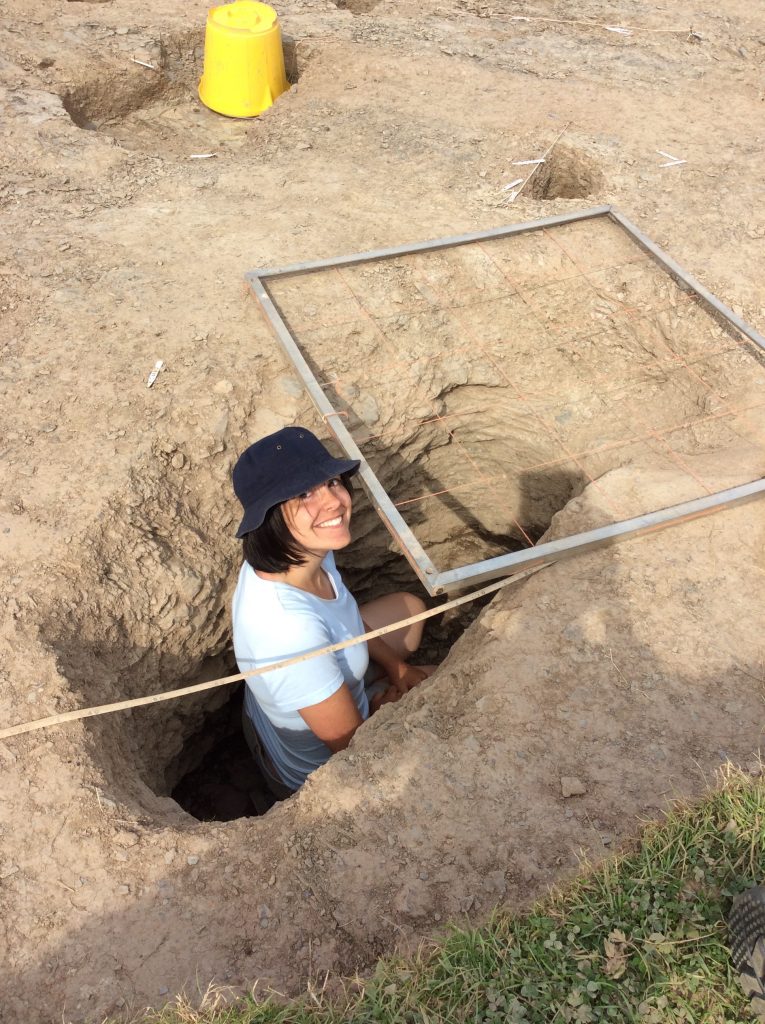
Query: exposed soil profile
[
  {"x": 567, "y": 173},
  {"x": 138, "y": 858}
]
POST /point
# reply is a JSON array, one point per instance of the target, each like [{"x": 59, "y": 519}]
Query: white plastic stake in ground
[
  {"x": 154, "y": 373},
  {"x": 672, "y": 161}
]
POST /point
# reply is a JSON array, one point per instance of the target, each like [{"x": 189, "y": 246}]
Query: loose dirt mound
[{"x": 633, "y": 671}]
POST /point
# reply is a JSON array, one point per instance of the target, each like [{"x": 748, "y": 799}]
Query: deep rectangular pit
[{"x": 487, "y": 380}]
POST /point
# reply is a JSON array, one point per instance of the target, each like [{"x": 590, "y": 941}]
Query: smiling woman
[{"x": 291, "y": 599}]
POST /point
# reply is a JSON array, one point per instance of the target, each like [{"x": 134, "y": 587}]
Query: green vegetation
[{"x": 641, "y": 939}]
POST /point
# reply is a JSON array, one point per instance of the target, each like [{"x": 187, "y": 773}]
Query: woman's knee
[
  {"x": 384, "y": 611},
  {"x": 413, "y": 604}
]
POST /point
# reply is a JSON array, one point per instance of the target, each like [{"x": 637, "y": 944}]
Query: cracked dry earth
[{"x": 634, "y": 670}]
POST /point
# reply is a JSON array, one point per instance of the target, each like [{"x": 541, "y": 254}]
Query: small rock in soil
[{"x": 571, "y": 786}]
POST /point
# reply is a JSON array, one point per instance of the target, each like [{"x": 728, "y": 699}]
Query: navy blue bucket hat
[{"x": 279, "y": 467}]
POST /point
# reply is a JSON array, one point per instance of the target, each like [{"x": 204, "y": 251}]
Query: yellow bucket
[{"x": 244, "y": 61}]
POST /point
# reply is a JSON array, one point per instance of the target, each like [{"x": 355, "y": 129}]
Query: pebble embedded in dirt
[{"x": 571, "y": 786}]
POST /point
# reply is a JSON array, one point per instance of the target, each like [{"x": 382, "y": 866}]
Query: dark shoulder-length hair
[{"x": 272, "y": 548}]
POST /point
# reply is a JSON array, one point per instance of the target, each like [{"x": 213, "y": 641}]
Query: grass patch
[{"x": 642, "y": 939}]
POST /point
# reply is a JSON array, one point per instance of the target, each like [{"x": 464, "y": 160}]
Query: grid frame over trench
[{"x": 577, "y": 297}]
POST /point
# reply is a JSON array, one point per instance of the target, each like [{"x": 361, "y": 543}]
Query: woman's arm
[{"x": 334, "y": 720}]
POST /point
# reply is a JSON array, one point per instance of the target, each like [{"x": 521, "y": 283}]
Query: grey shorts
[
  {"x": 279, "y": 789},
  {"x": 375, "y": 682}
]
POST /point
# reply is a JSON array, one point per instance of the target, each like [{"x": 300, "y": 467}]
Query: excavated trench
[
  {"x": 491, "y": 481},
  {"x": 480, "y": 421},
  {"x": 156, "y": 617},
  {"x": 217, "y": 778},
  {"x": 211, "y": 774},
  {"x": 214, "y": 777}
]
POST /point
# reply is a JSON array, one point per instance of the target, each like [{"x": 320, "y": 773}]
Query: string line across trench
[{"x": 185, "y": 691}]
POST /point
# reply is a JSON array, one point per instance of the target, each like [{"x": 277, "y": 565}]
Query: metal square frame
[{"x": 435, "y": 581}]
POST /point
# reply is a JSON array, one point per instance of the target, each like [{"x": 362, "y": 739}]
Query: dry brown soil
[{"x": 636, "y": 669}]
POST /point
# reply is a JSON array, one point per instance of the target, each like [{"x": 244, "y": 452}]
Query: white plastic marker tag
[
  {"x": 619, "y": 29},
  {"x": 525, "y": 163},
  {"x": 202, "y": 156},
  {"x": 512, "y": 185},
  {"x": 143, "y": 63},
  {"x": 511, "y": 195},
  {"x": 155, "y": 372},
  {"x": 672, "y": 161}
]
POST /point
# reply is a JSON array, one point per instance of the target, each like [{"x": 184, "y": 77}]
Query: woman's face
[{"x": 320, "y": 519}]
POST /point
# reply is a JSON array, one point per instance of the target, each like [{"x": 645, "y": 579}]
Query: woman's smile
[{"x": 330, "y": 522}]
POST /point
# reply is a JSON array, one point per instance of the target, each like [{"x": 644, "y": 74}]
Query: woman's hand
[
  {"x": 403, "y": 676},
  {"x": 401, "y": 681},
  {"x": 389, "y": 696}
]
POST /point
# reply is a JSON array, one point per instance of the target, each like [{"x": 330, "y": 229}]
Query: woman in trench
[{"x": 291, "y": 599}]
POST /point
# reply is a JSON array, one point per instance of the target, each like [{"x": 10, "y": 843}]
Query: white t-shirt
[{"x": 273, "y": 621}]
